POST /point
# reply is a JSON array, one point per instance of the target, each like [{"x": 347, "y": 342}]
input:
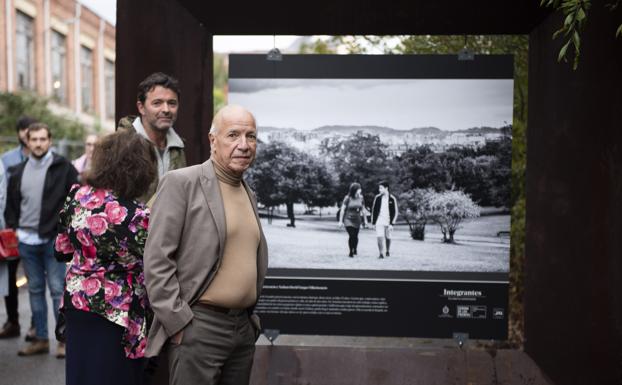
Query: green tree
[
  {"x": 575, "y": 15},
  {"x": 220, "y": 81},
  {"x": 14, "y": 105}
]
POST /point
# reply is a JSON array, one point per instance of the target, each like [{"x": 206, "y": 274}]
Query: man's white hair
[{"x": 218, "y": 118}]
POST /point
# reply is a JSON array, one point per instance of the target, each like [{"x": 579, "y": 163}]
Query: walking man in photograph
[
  {"x": 36, "y": 192},
  {"x": 158, "y": 103},
  {"x": 17, "y": 155},
  {"x": 384, "y": 214},
  {"x": 206, "y": 259}
]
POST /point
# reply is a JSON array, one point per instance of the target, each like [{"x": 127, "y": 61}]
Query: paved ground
[
  {"x": 43, "y": 369},
  {"x": 48, "y": 370},
  {"x": 321, "y": 360}
]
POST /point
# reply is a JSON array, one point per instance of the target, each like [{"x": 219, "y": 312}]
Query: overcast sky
[
  {"x": 448, "y": 104},
  {"x": 104, "y": 8},
  {"x": 108, "y": 10}
]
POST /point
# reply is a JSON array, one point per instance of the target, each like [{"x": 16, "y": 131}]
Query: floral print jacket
[{"x": 103, "y": 238}]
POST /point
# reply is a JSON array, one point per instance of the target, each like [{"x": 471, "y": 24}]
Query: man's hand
[{"x": 176, "y": 338}]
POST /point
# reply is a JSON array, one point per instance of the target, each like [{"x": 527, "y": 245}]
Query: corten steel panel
[
  {"x": 160, "y": 35},
  {"x": 573, "y": 269},
  {"x": 573, "y": 275},
  {"x": 389, "y": 17}
]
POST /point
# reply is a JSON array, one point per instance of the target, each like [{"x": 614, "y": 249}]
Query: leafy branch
[{"x": 575, "y": 12}]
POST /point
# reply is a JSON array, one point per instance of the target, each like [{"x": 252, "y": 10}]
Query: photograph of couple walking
[{"x": 381, "y": 173}]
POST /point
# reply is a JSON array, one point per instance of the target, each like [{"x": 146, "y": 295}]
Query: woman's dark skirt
[{"x": 95, "y": 355}]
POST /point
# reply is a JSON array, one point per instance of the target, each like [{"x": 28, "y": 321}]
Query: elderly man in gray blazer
[{"x": 206, "y": 259}]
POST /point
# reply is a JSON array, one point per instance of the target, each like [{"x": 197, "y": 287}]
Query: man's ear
[{"x": 140, "y": 107}]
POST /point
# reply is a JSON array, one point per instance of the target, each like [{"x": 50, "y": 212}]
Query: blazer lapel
[{"x": 211, "y": 191}]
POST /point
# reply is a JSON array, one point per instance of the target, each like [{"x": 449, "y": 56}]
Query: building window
[
  {"x": 59, "y": 57},
  {"x": 25, "y": 52},
  {"x": 86, "y": 70},
  {"x": 109, "y": 88}
]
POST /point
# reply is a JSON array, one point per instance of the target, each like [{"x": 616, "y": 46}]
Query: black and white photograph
[
  {"x": 383, "y": 186},
  {"x": 442, "y": 147}
]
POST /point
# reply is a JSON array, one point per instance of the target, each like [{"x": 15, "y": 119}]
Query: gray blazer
[{"x": 185, "y": 247}]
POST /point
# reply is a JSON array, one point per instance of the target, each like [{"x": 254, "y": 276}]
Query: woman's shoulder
[{"x": 94, "y": 198}]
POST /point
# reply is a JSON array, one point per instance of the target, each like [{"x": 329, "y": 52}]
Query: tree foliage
[
  {"x": 575, "y": 15},
  {"x": 284, "y": 175},
  {"x": 416, "y": 210},
  {"x": 220, "y": 81},
  {"x": 483, "y": 173},
  {"x": 362, "y": 158},
  {"x": 448, "y": 209},
  {"x": 15, "y": 105}
]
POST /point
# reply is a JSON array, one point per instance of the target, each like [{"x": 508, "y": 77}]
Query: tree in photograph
[
  {"x": 284, "y": 175},
  {"x": 416, "y": 210},
  {"x": 449, "y": 209},
  {"x": 470, "y": 175},
  {"x": 362, "y": 158},
  {"x": 320, "y": 186},
  {"x": 420, "y": 167},
  {"x": 263, "y": 176}
]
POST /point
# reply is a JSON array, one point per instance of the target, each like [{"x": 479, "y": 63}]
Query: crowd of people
[
  {"x": 154, "y": 268},
  {"x": 353, "y": 214}
]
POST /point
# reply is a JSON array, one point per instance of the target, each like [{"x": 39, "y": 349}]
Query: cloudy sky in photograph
[{"x": 402, "y": 104}]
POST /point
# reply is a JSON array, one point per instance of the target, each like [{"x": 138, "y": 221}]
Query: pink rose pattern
[{"x": 105, "y": 275}]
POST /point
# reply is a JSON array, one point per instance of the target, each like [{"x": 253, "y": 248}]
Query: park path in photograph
[{"x": 482, "y": 245}]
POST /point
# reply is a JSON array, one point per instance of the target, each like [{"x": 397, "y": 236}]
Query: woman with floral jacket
[{"x": 102, "y": 233}]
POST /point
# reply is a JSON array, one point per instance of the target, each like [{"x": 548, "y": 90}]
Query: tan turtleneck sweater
[{"x": 235, "y": 283}]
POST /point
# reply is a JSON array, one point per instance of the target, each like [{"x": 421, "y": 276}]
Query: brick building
[{"x": 63, "y": 50}]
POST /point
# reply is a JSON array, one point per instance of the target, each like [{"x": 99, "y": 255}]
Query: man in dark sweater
[{"x": 36, "y": 192}]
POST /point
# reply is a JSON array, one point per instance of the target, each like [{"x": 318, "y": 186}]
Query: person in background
[
  {"x": 36, "y": 191},
  {"x": 4, "y": 264},
  {"x": 157, "y": 103},
  {"x": 351, "y": 215},
  {"x": 206, "y": 259},
  {"x": 83, "y": 163},
  {"x": 15, "y": 156},
  {"x": 102, "y": 233},
  {"x": 384, "y": 214}
]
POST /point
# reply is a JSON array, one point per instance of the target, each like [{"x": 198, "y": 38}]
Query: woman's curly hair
[{"x": 124, "y": 162}]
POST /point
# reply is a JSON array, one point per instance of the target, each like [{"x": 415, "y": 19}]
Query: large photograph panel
[{"x": 436, "y": 131}]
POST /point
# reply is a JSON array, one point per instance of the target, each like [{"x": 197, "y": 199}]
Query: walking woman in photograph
[
  {"x": 102, "y": 233},
  {"x": 351, "y": 215}
]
